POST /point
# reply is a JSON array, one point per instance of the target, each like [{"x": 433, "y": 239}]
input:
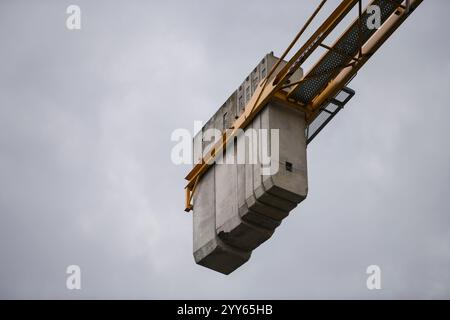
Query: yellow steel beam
[
  {"x": 319, "y": 35},
  {"x": 369, "y": 48},
  {"x": 336, "y": 70},
  {"x": 270, "y": 87},
  {"x": 267, "y": 89}
]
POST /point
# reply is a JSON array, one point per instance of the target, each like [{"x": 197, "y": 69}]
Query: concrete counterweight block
[
  {"x": 238, "y": 206},
  {"x": 257, "y": 218},
  {"x": 209, "y": 250},
  {"x": 230, "y": 226},
  {"x": 288, "y": 184},
  {"x": 243, "y": 235},
  {"x": 250, "y": 209},
  {"x": 257, "y": 199}
]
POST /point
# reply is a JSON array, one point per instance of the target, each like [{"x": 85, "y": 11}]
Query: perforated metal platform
[{"x": 341, "y": 54}]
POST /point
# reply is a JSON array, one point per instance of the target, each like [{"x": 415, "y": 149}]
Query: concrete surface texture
[
  {"x": 237, "y": 207},
  {"x": 238, "y": 204}
]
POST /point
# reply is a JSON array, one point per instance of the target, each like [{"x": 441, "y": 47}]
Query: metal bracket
[{"x": 319, "y": 122}]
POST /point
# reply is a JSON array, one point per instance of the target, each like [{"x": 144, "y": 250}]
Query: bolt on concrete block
[
  {"x": 260, "y": 197},
  {"x": 290, "y": 181}
]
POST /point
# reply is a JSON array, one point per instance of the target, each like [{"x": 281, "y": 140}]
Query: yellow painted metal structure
[{"x": 321, "y": 82}]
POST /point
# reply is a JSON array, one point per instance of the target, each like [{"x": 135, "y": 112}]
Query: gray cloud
[{"x": 86, "y": 177}]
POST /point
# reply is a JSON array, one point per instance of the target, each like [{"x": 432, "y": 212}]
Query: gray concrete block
[
  {"x": 197, "y": 146},
  {"x": 237, "y": 207},
  {"x": 252, "y": 206},
  {"x": 204, "y": 219},
  {"x": 226, "y": 193},
  {"x": 266, "y": 197},
  {"x": 245, "y": 190},
  {"x": 230, "y": 226},
  {"x": 290, "y": 182},
  {"x": 209, "y": 250},
  {"x": 259, "y": 192},
  {"x": 258, "y": 218},
  {"x": 222, "y": 239},
  {"x": 243, "y": 235},
  {"x": 220, "y": 257},
  {"x": 267, "y": 210}
]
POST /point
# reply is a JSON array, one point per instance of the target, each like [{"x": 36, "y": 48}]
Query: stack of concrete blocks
[{"x": 238, "y": 206}]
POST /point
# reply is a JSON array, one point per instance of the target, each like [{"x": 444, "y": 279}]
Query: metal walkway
[{"x": 341, "y": 54}]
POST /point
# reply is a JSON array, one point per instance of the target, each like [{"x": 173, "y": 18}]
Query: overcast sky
[{"x": 86, "y": 176}]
